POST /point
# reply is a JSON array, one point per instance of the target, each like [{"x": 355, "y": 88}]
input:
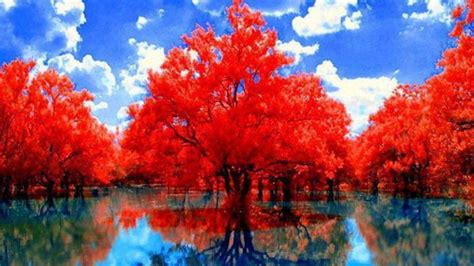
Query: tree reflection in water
[
  {"x": 82, "y": 235},
  {"x": 416, "y": 232},
  {"x": 196, "y": 229},
  {"x": 243, "y": 233}
]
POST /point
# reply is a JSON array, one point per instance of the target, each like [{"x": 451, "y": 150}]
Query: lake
[{"x": 154, "y": 227}]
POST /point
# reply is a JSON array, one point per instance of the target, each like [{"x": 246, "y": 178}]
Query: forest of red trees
[{"x": 220, "y": 115}]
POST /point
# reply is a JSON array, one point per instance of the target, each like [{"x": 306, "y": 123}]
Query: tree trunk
[
  {"x": 330, "y": 183},
  {"x": 260, "y": 189},
  {"x": 405, "y": 185},
  {"x": 79, "y": 188},
  {"x": 50, "y": 193},
  {"x": 396, "y": 185},
  {"x": 286, "y": 189},
  {"x": 375, "y": 187},
  {"x": 65, "y": 185},
  {"x": 247, "y": 184},
  {"x": 7, "y": 189}
]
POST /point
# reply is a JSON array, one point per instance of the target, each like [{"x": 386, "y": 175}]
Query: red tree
[
  {"x": 423, "y": 136},
  {"x": 48, "y": 135},
  {"x": 220, "y": 108}
]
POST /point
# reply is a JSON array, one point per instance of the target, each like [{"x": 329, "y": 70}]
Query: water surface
[{"x": 152, "y": 227}]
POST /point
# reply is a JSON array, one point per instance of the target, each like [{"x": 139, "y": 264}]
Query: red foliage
[
  {"x": 47, "y": 135},
  {"x": 220, "y": 108},
  {"x": 423, "y": 138}
]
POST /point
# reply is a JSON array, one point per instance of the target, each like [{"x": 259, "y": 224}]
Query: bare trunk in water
[
  {"x": 286, "y": 189},
  {"x": 237, "y": 181},
  {"x": 330, "y": 189},
  {"x": 50, "y": 193},
  {"x": 6, "y": 189},
  {"x": 79, "y": 189}
]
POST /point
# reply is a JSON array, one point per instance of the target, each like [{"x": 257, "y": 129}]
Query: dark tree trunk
[
  {"x": 375, "y": 187},
  {"x": 338, "y": 190},
  {"x": 286, "y": 189},
  {"x": 50, "y": 193},
  {"x": 247, "y": 184},
  {"x": 406, "y": 190},
  {"x": 330, "y": 183},
  {"x": 6, "y": 193},
  {"x": 396, "y": 190},
  {"x": 313, "y": 189},
  {"x": 237, "y": 182},
  {"x": 22, "y": 190},
  {"x": 260, "y": 189},
  {"x": 79, "y": 188},
  {"x": 225, "y": 175},
  {"x": 65, "y": 186},
  {"x": 274, "y": 190}
]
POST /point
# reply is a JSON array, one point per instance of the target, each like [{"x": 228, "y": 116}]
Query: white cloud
[
  {"x": 7, "y": 4},
  {"x": 64, "y": 7},
  {"x": 353, "y": 22},
  {"x": 161, "y": 12},
  {"x": 93, "y": 74},
  {"x": 94, "y": 107},
  {"x": 141, "y": 22},
  {"x": 436, "y": 10},
  {"x": 213, "y": 8},
  {"x": 271, "y": 8},
  {"x": 122, "y": 113},
  {"x": 328, "y": 17},
  {"x": 58, "y": 33},
  {"x": 362, "y": 96},
  {"x": 149, "y": 57},
  {"x": 70, "y": 16},
  {"x": 278, "y": 8},
  {"x": 297, "y": 50}
]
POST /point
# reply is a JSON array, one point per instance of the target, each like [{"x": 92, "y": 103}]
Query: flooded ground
[{"x": 152, "y": 227}]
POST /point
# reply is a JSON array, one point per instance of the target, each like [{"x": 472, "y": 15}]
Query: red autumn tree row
[
  {"x": 48, "y": 136},
  {"x": 422, "y": 140},
  {"x": 220, "y": 109}
]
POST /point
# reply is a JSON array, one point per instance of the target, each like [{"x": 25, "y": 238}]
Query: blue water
[{"x": 150, "y": 227}]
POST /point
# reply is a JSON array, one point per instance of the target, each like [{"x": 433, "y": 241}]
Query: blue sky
[{"x": 360, "y": 48}]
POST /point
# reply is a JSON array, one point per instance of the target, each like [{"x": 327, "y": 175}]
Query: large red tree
[{"x": 220, "y": 108}]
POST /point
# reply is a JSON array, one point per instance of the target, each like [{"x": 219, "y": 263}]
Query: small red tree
[
  {"x": 423, "y": 136},
  {"x": 47, "y": 133}
]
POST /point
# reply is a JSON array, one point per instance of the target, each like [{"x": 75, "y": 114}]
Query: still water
[{"x": 151, "y": 227}]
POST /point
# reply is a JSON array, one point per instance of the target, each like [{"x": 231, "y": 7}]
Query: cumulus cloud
[
  {"x": 7, "y": 4},
  {"x": 297, "y": 50},
  {"x": 328, "y": 17},
  {"x": 69, "y": 16},
  {"x": 149, "y": 57},
  {"x": 436, "y": 10},
  {"x": 94, "y": 107},
  {"x": 362, "y": 96},
  {"x": 95, "y": 75},
  {"x": 37, "y": 28}
]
